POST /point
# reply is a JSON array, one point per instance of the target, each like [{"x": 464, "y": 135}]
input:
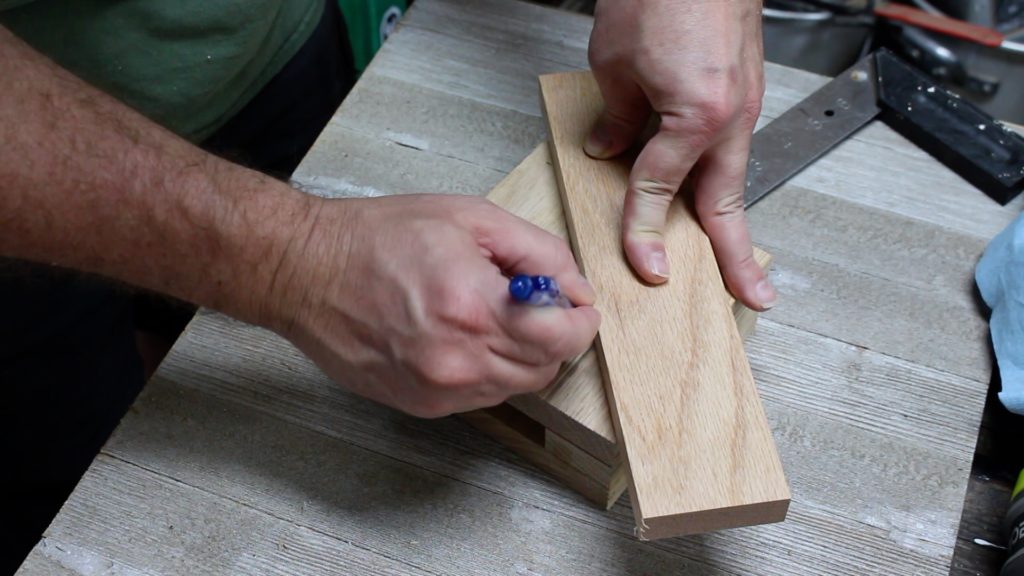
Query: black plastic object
[{"x": 954, "y": 131}]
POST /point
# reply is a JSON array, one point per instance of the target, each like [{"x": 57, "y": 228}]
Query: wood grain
[
  {"x": 574, "y": 404},
  {"x": 566, "y": 463},
  {"x": 687, "y": 415},
  {"x": 572, "y": 412}
]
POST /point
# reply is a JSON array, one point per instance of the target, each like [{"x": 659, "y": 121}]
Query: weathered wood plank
[
  {"x": 525, "y": 29},
  {"x": 871, "y": 241},
  {"x": 449, "y": 126},
  {"x": 864, "y": 389},
  {"x": 687, "y": 415},
  {"x": 882, "y": 315},
  {"x": 346, "y": 163},
  {"x": 890, "y": 518},
  {"x": 216, "y": 535}
]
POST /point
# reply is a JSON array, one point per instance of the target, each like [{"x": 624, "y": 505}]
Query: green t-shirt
[{"x": 190, "y": 65}]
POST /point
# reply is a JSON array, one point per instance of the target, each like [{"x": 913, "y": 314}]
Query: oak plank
[
  {"x": 687, "y": 415},
  {"x": 506, "y": 425},
  {"x": 574, "y": 404},
  {"x": 611, "y": 475}
]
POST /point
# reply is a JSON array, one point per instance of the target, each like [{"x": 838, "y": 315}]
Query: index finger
[{"x": 518, "y": 247}]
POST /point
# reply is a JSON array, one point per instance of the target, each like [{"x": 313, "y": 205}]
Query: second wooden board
[
  {"x": 687, "y": 415},
  {"x": 574, "y": 404}
]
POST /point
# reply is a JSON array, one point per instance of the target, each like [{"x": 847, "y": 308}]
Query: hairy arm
[
  {"x": 88, "y": 183},
  {"x": 401, "y": 299}
]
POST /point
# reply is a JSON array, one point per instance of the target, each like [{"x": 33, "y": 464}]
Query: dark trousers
[{"x": 69, "y": 367}]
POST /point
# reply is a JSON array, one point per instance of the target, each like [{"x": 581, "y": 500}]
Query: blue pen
[{"x": 537, "y": 291}]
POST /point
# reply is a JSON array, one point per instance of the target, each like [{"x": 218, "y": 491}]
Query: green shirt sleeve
[{"x": 189, "y": 65}]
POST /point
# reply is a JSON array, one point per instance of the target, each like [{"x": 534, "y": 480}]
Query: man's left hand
[{"x": 699, "y": 65}]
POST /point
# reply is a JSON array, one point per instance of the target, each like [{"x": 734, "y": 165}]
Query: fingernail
[
  {"x": 657, "y": 263},
  {"x": 597, "y": 143},
  {"x": 766, "y": 294}
]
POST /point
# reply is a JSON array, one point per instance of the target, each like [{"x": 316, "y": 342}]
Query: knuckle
[
  {"x": 563, "y": 343},
  {"x": 619, "y": 117},
  {"x": 463, "y": 312},
  {"x": 654, "y": 192},
  {"x": 561, "y": 349},
  {"x": 449, "y": 369},
  {"x": 552, "y": 353},
  {"x": 727, "y": 207},
  {"x": 712, "y": 114},
  {"x": 747, "y": 262},
  {"x": 751, "y": 110},
  {"x": 706, "y": 117}
]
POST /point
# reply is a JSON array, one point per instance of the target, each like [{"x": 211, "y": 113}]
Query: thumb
[
  {"x": 624, "y": 117},
  {"x": 518, "y": 247}
]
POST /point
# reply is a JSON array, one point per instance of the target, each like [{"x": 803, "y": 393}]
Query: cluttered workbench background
[{"x": 240, "y": 457}]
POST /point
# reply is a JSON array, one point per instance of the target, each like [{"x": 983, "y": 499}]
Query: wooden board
[
  {"x": 574, "y": 405},
  {"x": 527, "y": 438},
  {"x": 596, "y": 481},
  {"x": 687, "y": 415},
  {"x": 573, "y": 409}
]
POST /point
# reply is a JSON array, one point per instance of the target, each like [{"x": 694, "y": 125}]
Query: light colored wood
[
  {"x": 687, "y": 415},
  {"x": 527, "y": 438},
  {"x": 613, "y": 476},
  {"x": 574, "y": 405}
]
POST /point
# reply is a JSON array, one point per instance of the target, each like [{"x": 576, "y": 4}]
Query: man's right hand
[
  {"x": 402, "y": 299},
  {"x": 405, "y": 300}
]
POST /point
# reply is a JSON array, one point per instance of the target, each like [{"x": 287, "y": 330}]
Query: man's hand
[
  {"x": 405, "y": 300},
  {"x": 400, "y": 299},
  {"x": 699, "y": 65}
]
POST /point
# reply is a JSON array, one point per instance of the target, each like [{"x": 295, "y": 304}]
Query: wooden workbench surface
[{"x": 241, "y": 458}]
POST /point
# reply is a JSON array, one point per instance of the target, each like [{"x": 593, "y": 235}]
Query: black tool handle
[{"x": 957, "y": 133}]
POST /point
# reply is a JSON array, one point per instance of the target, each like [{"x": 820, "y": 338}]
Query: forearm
[{"x": 87, "y": 183}]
